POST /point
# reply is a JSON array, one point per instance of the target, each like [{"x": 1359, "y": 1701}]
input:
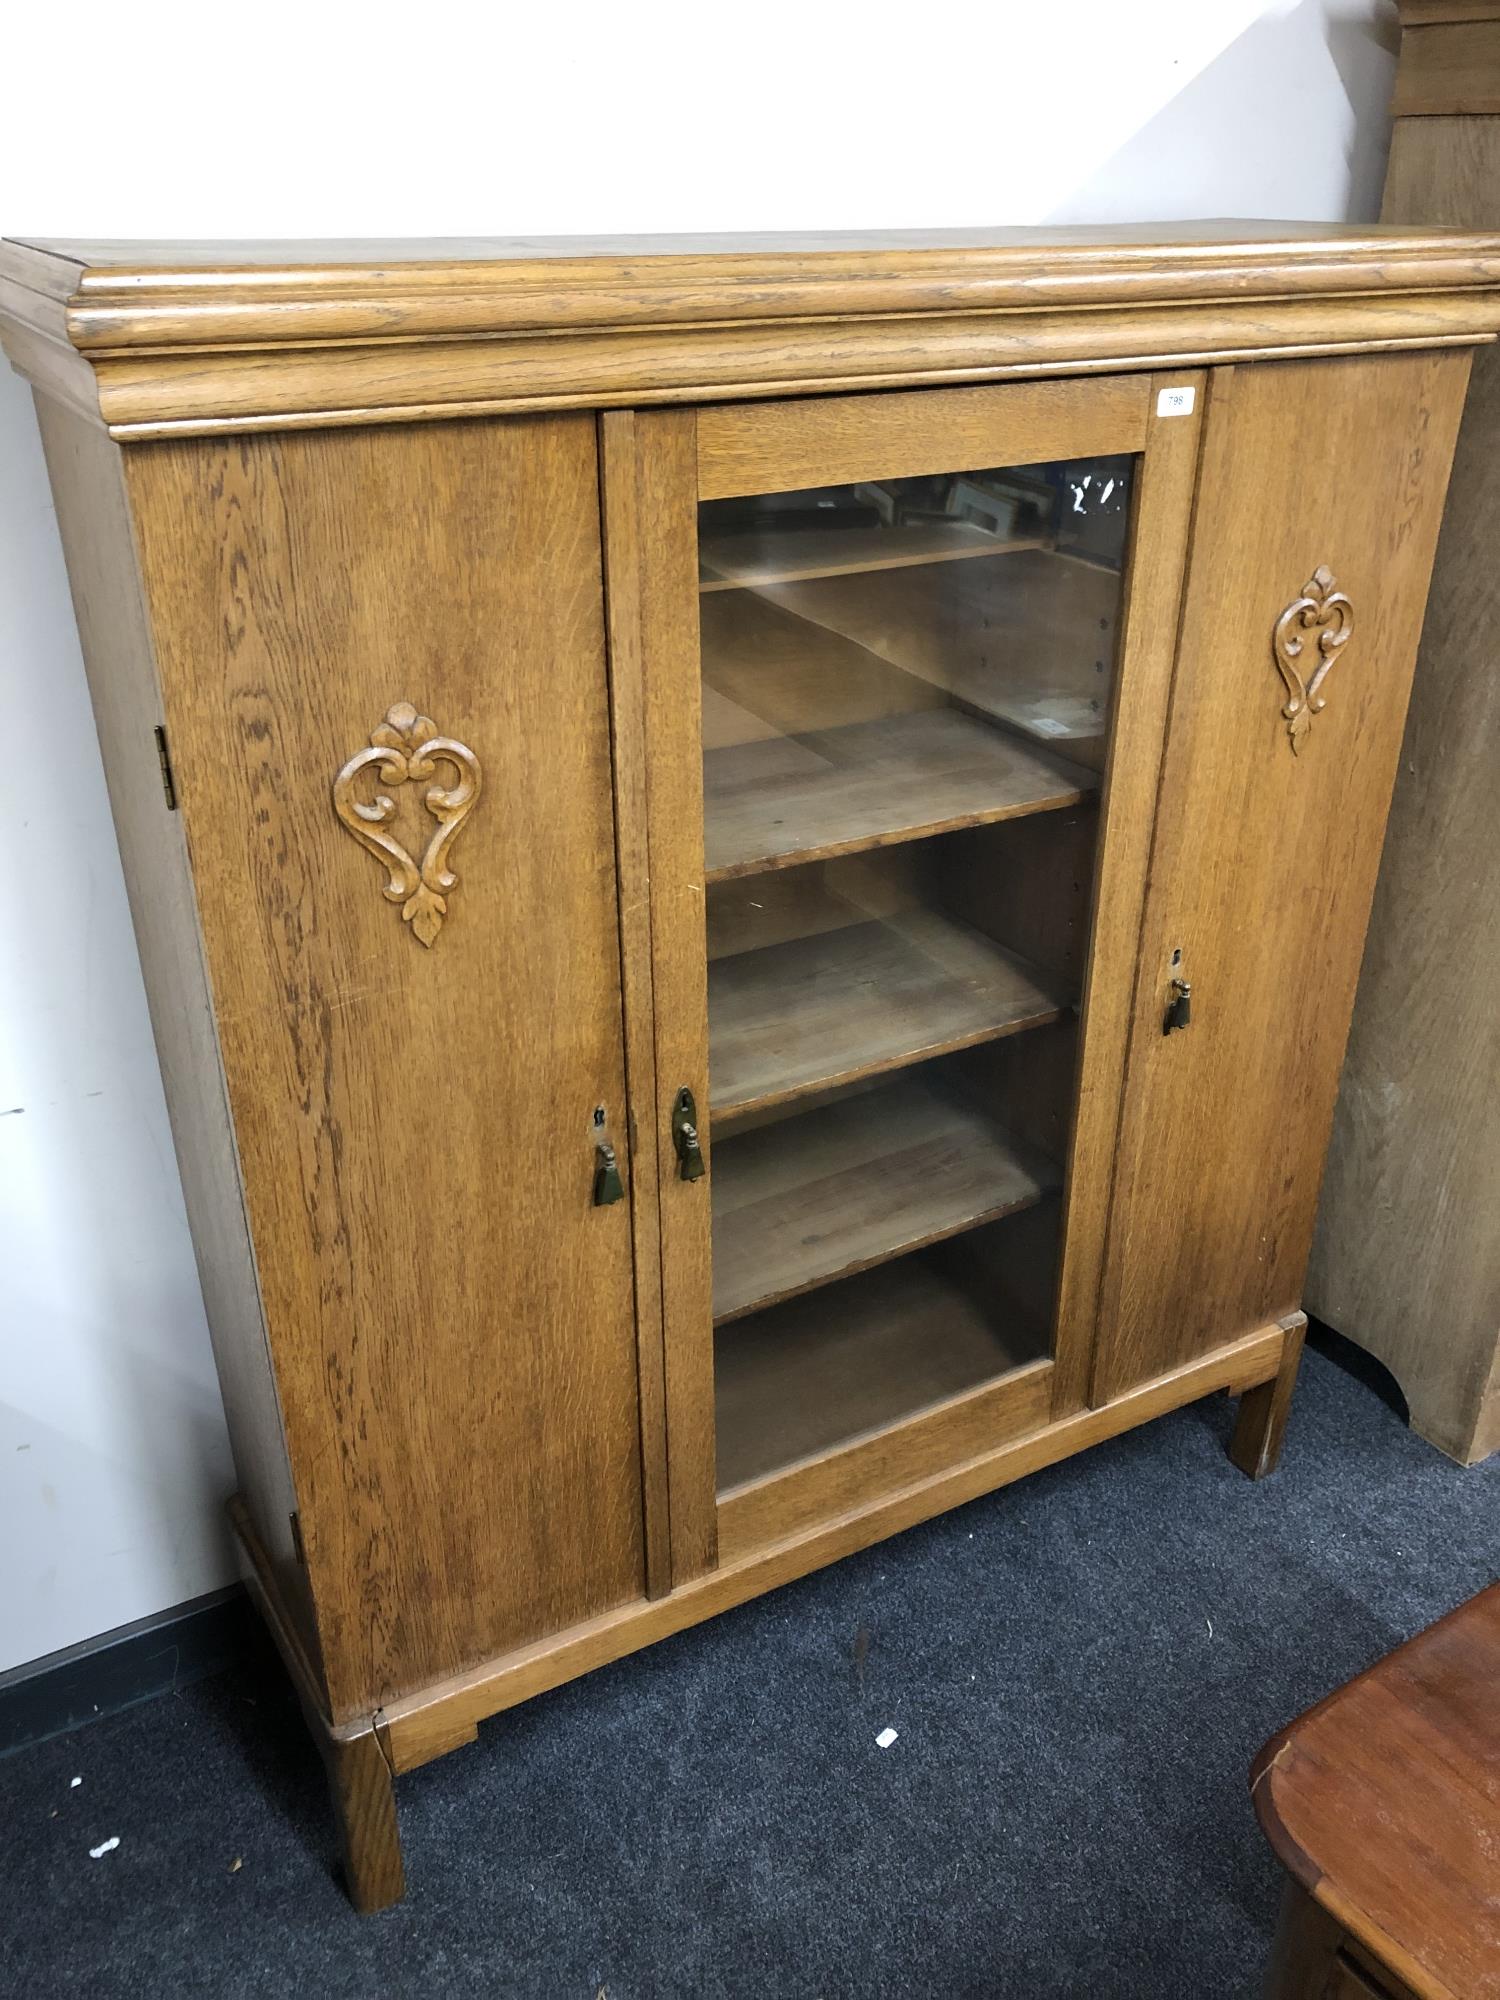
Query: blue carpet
[{"x": 1079, "y": 1670}]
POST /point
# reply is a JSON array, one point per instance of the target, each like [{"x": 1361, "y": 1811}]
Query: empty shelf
[
  {"x": 835, "y": 1190},
  {"x": 788, "y": 799},
  {"x": 825, "y": 1010},
  {"x": 819, "y": 1371}
]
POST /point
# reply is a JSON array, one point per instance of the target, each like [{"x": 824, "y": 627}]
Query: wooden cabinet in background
[{"x": 750, "y": 860}]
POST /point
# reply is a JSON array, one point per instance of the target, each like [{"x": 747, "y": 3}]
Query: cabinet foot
[
  {"x": 1256, "y": 1445},
  {"x": 364, "y": 1802}
]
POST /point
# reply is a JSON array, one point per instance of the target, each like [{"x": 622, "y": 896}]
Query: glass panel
[{"x": 906, "y": 697}]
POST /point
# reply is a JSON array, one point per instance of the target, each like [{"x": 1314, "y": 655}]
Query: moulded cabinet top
[{"x": 157, "y": 338}]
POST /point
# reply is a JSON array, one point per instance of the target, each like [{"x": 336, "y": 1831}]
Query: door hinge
[
  {"x": 164, "y": 758},
  {"x": 299, "y": 1547}
]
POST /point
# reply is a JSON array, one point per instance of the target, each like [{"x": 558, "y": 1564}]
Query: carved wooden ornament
[
  {"x": 407, "y": 746},
  {"x": 1324, "y": 609}
]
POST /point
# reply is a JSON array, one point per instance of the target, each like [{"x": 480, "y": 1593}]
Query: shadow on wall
[
  {"x": 1316, "y": 152},
  {"x": 113, "y": 1457}
]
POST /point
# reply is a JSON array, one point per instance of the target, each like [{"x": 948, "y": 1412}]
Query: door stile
[
  {"x": 1148, "y": 647},
  {"x": 649, "y": 483},
  {"x": 620, "y": 520}
]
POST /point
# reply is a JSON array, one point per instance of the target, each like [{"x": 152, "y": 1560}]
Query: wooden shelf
[
  {"x": 819, "y": 1371},
  {"x": 788, "y": 799},
  {"x": 844, "y": 1004},
  {"x": 733, "y": 562},
  {"x": 832, "y": 1191}
]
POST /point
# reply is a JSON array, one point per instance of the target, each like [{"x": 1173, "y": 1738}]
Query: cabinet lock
[
  {"x": 1179, "y": 1007},
  {"x": 690, "y": 1165},
  {"x": 608, "y": 1186}
]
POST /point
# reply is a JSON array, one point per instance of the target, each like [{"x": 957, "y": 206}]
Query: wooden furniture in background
[
  {"x": 1383, "y": 1805},
  {"x": 736, "y": 962},
  {"x": 1406, "y": 1260}
]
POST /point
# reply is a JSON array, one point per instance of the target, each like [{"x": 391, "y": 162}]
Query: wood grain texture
[
  {"x": 848, "y": 1003},
  {"x": 788, "y": 799},
  {"x": 808, "y": 1376},
  {"x": 416, "y": 1128},
  {"x": 317, "y": 388},
  {"x": 622, "y": 529},
  {"x": 1444, "y": 166},
  {"x": 1449, "y": 69},
  {"x": 982, "y": 1403},
  {"x": 364, "y": 1804},
  {"x": 183, "y": 294},
  {"x": 1418, "y": 13},
  {"x": 87, "y": 476},
  {"x": 426, "y": 1724},
  {"x": 1211, "y": 1234},
  {"x": 356, "y": 1757},
  {"x": 1260, "y": 1426},
  {"x": 1406, "y": 1260},
  {"x": 781, "y": 447},
  {"x": 1383, "y": 1805},
  {"x": 657, "y": 457},
  {"x": 216, "y": 338},
  {"x": 854, "y": 1183}
]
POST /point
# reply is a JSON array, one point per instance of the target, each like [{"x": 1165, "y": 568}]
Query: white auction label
[{"x": 1175, "y": 402}]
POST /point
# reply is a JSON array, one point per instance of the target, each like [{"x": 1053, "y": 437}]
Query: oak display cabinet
[{"x": 750, "y": 858}]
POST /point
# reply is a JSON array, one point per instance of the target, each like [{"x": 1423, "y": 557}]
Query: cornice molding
[{"x": 161, "y": 340}]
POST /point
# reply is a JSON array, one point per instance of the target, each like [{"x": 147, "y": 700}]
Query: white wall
[{"x": 188, "y": 120}]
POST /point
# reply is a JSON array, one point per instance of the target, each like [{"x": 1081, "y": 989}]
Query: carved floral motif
[
  {"x": 1324, "y": 609},
  {"x": 406, "y": 747}
]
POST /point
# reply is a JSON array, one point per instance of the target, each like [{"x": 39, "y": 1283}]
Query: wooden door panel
[
  {"x": 1268, "y": 839},
  {"x": 413, "y": 1081}
]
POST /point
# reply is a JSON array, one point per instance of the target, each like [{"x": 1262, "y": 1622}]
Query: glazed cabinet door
[
  {"x": 1320, "y": 495},
  {"x": 383, "y": 670},
  {"x": 902, "y": 667}
]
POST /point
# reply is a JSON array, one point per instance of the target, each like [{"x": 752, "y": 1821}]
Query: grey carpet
[{"x": 1079, "y": 1670}]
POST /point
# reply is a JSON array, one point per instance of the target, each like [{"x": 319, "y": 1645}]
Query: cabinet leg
[
  {"x": 1261, "y": 1424},
  {"x": 364, "y": 1801},
  {"x": 1307, "y": 1943}
]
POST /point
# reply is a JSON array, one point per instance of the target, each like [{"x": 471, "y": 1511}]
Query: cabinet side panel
[
  {"x": 415, "y": 1048},
  {"x": 87, "y": 477},
  {"x": 1268, "y": 839}
]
